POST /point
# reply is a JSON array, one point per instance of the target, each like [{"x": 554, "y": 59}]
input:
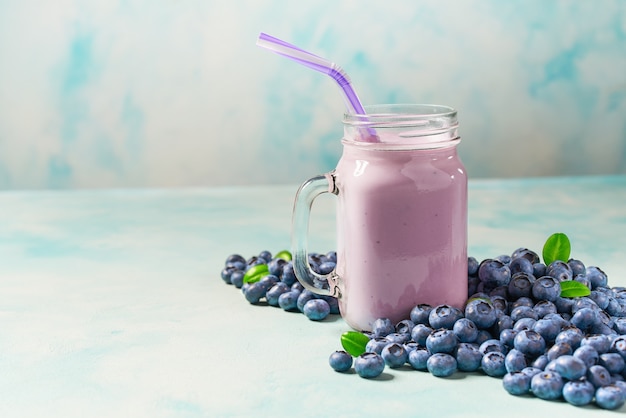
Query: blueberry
[
  {"x": 531, "y": 371},
  {"x": 516, "y": 383},
  {"x": 598, "y": 376},
  {"x": 418, "y": 359},
  {"x": 584, "y": 302},
  {"x": 619, "y": 325},
  {"x": 419, "y": 314},
  {"x": 588, "y": 355},
  {"x": 444, "y": 316},
  {"x": 570, "y": 367},
  {"x": 578, "y": 392},
  {"x": 544, "y": 307},
  {"x": 596, "y": 276},
  {"x": 333, "y": 302},
  {"x": 316, "y": 309},
  {"x": 405, "y": 327},
  {"x": 500, "y": 291},
  {"x": 369, "y": 365},
  {"x": 523, "y": 311},
  {"x": 540, "y": 362},
  {"x": 236, "y": 278},
  {"x": 441, "y": 365},
  {"x": 503, "y": 322},
  {"x": 472, "y": 285},
  {"x": 601, "y": 343},
  {"x": 382, "y": 327},
  {"x": 584, "y": 318},
  {"x": 255, "y": 292},
  {"x": 468, "y": 357},
  {"x": 601, "y": 299},
  {"x": 305, "y": 296},
  {"x": 376, "y": 345},
  {"x": 610, "y": 397},
  {"x": 521, "y": 265},
  {"x": 441, "y": 341},
  {"x": 472, "y": 266},
  {"x": 548, "y": 329},
  {"x": 226, "y": 273},
  {"x": 266, "y": 255},
  {"x": 275, "y": 266},
  {"x": 576, "y": 266},
  {"x": 483, "y": 335},
  {"x": 289, "y": 300},
  {"x": 560, "y": 270},
  {"x": 493, "y": 364},
  {"x": 571, "y": 335},
  {"x": 521, "y": 285},
  {"x": 394, "y": 355},
  {"x": 254, "y": 261},
  {"x": 420, "y": 332},
  {"x": 504, "y": 258},
  {"x": 288, "y": 276},
  {"x": 326, "y": 267},
  {"x": 547, "y": 385},
  {"x": 507, "y": 336},
  {"x": 296, "y": 286},
  {"x": 515, "y": 361},
  {"x": 268, "y": 281},
  {"x": 546, "y": 288},
  {"x": 539, "y": 269},
  {"x": 410, "y": 346},
  {"x": 619, "y": 346},
  {"x": 481, "y": 312},
  {"x": 522, "y": 252},
  {"x": 494, "y": 273},
  {"x": 340, "y": 361},
  {"x": 492, "y": 345},
  {"x": 500, "y": 304},
  {"x": 529, "y": 342},
  {"x": 524, "y": 323},
  {"x": 564, "y": 305},
  {"x": 613, "y": 362},
  {"x": 274, "y": 293},
  {"x": 465, "y": 330},
  {"x": 558, "y": 350},
  {"x": 235, "y": 258},
  {"x": 396, "y": 337}
]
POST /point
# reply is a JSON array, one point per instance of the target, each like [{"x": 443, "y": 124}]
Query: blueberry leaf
[
  {"x": 574, "y": 289},
  {"x": 284, "y": 254},
  {"x": 557, "y": 247},
  {"x": 255, "y": 273},
  {"x": 354, "y": 342}
]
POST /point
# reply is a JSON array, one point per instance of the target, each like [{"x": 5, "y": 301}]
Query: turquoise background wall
[{"x": 160, "y": 93}]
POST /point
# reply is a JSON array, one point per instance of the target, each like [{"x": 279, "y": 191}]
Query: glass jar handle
[{"x": 322, "y": 284}]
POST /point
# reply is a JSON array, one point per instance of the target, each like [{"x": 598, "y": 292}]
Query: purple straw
[{"x": 324, "y": 66}]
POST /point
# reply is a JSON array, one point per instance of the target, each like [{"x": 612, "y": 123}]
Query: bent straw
[{"x": 322, "y": 65}]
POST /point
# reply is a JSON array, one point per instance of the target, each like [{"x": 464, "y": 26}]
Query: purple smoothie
[{"x": 402, "y": 232}]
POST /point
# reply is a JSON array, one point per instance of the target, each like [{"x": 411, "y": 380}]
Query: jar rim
[{"x": 403, "y": 114}]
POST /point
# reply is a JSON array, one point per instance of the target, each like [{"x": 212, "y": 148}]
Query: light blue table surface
[{"x": 111, "y": 303}]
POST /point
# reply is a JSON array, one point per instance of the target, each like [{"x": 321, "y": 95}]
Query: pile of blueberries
[
  {"x": 280, "y": 287},
  {"x": 515, "y": 326}
]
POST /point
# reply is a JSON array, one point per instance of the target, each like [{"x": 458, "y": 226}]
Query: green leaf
[
  {"x": 574, "y": 289},
  {"x": 255, "y": 273},
  {"x": 284, "y": 254},
  {"x": 354, "y": 342},
  {"x": 557, "y": 247}
]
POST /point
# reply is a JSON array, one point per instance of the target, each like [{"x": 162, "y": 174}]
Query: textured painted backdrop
[{"x": 142, "y": 93}]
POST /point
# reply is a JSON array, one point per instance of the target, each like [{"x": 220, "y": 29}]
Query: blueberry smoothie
[{"x": 402, "y": 231}]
